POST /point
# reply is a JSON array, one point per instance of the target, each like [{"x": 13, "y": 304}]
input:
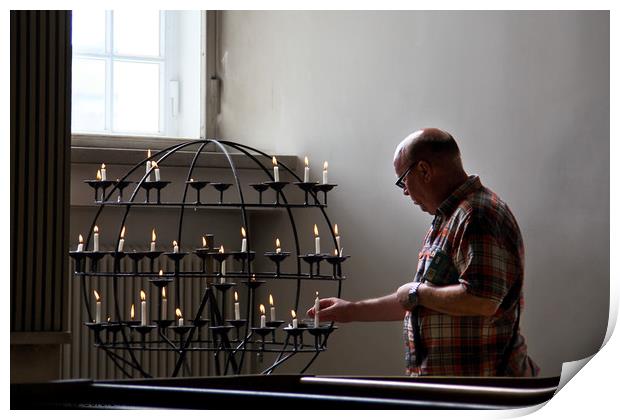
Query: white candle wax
[
  {"x": 244, "y": 245},
  {"x": 317, "y": 245},
  {"x": 338, "y": 241},
  {"x": 98, "y": 313},
  {"x": 80, "y": 247},
  {"x": 103, "y": 172},
  {"x": 153, "y": 243},
  {"x": 223, "y": 279},
  {"x": 181, "y": 322},
  {"x": 272, "y": 312},
  {"x": 325, "y": 173},
  {"x": 148, "y": 170},
  {"x": 164, "y": 308},
  {"x": 276, "y": 174},
  {"x": 316, "y": 311},
  {"x": 157, "y": 174},
  {"x": 306, "y": 174},
  {"x": 143, "y": 313},
  {"x": 176, "y": 249},
  {"x": 237, "y": 311},
  {"x": 96, "y": 242},
  {"x": 121, "y": 244},
  {"x": 295, "y": 323},
  {"x": 263, "y": 321}
]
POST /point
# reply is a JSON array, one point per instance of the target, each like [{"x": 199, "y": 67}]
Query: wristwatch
[{"x": 413, "y": 294}]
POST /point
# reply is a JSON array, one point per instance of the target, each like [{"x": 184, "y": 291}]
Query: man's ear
[{"x": 426, "y": 170}]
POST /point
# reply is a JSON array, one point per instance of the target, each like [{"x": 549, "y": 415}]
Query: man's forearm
[
  {"x": 386, "y": 308},
  {"x": 454, "y": 300}
]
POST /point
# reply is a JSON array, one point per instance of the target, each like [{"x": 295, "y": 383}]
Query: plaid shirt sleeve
[{"x": 484, "y": 264}]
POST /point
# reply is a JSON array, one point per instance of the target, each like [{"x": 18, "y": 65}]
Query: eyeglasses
[{"x": 400, "y": 183}]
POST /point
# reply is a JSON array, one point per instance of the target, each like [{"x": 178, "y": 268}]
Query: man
[{"x": 461, "y": 311}]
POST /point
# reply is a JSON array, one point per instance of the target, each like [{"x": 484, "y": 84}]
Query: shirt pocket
[{"x": 440, "y": 269}]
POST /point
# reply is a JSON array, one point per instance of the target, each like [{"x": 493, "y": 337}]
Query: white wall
[{"x": 526, "y": 94}]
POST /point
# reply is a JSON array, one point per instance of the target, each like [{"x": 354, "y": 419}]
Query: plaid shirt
[{"x": 474, "y": 240}]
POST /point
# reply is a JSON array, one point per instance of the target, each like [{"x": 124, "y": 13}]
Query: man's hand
[{"x": 333, "y": 309}]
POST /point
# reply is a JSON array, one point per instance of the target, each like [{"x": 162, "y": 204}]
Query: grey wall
[{"x": 526, "y": 94}]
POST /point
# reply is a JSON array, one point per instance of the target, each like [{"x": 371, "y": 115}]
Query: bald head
[{"x": 432, "y": 145}]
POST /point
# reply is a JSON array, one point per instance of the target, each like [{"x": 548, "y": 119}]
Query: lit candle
[
  {"x": 164, "y": 301},
  {"x": 325, "y": 172},
  {"x": 80, "y": 247},
  {"x": 306, "y": 170},
  {"x": 96, "y": 239},
  {"x": 263, "y": 320},
  {"x": 142, "y": 307},
  {"x": 98, "y": 175},
  {"x": 244, "y": 241},
  {"x": 316, "y": 310},
  {"x": 317, "y": 241},
  {"x": 175, "y": 247},
  {"x": 148, "y": 166},
  {"x": 97, "y": 307},
  {"x": 153, "y": 240},
  {"x": 121, "y": 243},
  {"x": 272, "y": 309},
  {"x": 237, "y": 311},
  {"x": 278, "y": 249},
  {"x": 157, "y": 174},
  {"x": 204, "y": 242},
  {"x": 222, "y": 266},
  {"x": 109, "y": 318},
  {"x": 294, "y": 315},
  {"x": 180, "y": 315},
  {"x": 132, "y": 312},
  {"x": 103, "y": 172},
  {"x": 276, "y": 170},
  {"x": 337, "y": 235}
]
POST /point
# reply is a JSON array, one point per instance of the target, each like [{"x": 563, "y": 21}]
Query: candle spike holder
[{"x": 206, "y": 328}]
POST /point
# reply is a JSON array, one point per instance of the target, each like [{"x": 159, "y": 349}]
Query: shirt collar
[{"x": 449, "y": 204}]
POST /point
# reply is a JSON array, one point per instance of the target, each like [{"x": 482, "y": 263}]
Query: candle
[
  {"x": 306, "y": 170},
  {"x": 337, "y": 235},
  {"x": 325, "y": 172},
  {"x": 132, "y": 312},
  {"x": 157, "y": 174},
  {"x": 263, "y": 320},
  {"x": 244, "y": 241},
  {"x": 272, "y": 309},
  {"x": 148, "y": 166},
  {"x": 317, "y": 241},
  {"x": 237, "y": 311},
  {"x": 175, "y": 247},
  {"x": 153, "y": 240},
  {"x": 80, "y": 247},
  {"x": 142, "y": 307},
  {"x": 276, "y": 170},
  {"x": 98, "y": 175},
  {"x": 278, "y": 249},
  {"x": 204, "y": 242},
  {"x": 180, "y": 315},
  {"x": 121, "y": 243},
  {"x": 294, "y": 315},
  {"x": 164, "y": 301},
  {"x": 222, "y": 266},
  {"x": 316, "y": 310},
  {"x": 96, "y": 239},
  {"x": 103, "y": 172},
  {"x": 97, "y": 307}
]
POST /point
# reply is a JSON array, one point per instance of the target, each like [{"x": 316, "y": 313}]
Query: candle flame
[
  {"x": 148, "y": 153},
  {"x": 316, "y": 231},
  {"x": 98, "y": 175},
  {"x": 317, "y": 293},
  {"x": 174, "y": 243},
  {"x": 325, "y": 166},
  {"x": 221, "y": 249},
  {"x": 242, "y": 231},
  {"x": 109, "y": 318},
  {"x": 204, "y": 242},
  {"x": 142, "y": 295},
  {"x": 153, "y": 236},
  {"x": 277, "y": 243},
  {"x": 306, "y": 160},
  {"x": 123, "y": 232},
  {"x": 335, "y": 252},
  {"x": 163, "y": 293},
  {"x": 80, "y": 239},
  {"x": 191, "y": 180},
  {"x": 262, "y": 309},
  {"x": 274, "y": 161},
  {"x": 270, "y": 300},
  {"x": 103, "y": 166},
  {"x": 253, "y": 277},
  {"x": 97, "y": 297},
  {"x": 293, "y": 314},
  {"x": 236, "y": 297},
  {"x": 132, "y": 312},
  {"x": 178, "y": 312},
  {"x": 336, "y": 229},
  {"x": 96, "y": 229},
  {"x": 161, "y": 272},
  {"x": 154, "y": 165}
]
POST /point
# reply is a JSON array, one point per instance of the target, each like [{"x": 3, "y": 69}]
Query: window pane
[
  {"x": 136, "y": 32},
  {"x": 88, "y": 30},
  {"x": 88, "y": 95},
  {"x": 136, "y": 97}
]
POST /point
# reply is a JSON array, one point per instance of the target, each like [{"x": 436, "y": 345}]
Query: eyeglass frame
[{"x": 400, "y": 181}]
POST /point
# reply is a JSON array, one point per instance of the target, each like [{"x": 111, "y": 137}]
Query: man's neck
[{"x": 450, "y": 184}]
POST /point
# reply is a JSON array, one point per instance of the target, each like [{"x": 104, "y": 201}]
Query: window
[{"x": 137, "y": 72}]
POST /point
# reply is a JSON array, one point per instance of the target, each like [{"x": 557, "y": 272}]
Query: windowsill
[{"x": 130, "y": 150}]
